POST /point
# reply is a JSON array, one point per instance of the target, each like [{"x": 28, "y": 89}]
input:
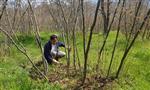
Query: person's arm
[{"x": 61, "y": 44}]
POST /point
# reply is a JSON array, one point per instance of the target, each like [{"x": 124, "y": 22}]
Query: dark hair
[{"x": 53, "y": 37}]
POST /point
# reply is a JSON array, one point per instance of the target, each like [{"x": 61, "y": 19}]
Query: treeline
[{"x": 50, "y": 17}]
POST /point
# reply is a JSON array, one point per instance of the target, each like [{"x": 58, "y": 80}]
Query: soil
[{"x": 58, "y": 75}]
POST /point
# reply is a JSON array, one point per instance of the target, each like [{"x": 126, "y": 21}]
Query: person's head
[{"x": 53, "y": 39}]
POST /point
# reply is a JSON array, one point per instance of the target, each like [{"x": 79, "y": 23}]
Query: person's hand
[{"x": 55, "y": 61}]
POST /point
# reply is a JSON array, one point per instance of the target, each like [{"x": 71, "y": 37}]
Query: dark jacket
[{"x": 48, "y": 47}]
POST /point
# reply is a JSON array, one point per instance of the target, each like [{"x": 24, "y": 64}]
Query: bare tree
[
  {"x": 19, "y": 45},
  {"x": 37, "y": 36},
  {"x": 131, "y": 44},
  {"x": 116, "y": 40},
  {"x": 89, "y": 42},
  {"x": 107, "y": 34}
]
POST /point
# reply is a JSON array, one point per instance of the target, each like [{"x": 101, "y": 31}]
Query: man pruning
[{"x": 51, "y": 52}]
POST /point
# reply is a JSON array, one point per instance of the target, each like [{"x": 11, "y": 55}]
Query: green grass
[
  {"x": 134, "y": 76},
  {"x": 13, "y": 76}
]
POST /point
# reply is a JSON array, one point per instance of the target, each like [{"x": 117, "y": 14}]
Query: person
[{"x": 51, "y": 52}]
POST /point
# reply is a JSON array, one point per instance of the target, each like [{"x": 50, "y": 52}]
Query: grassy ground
[{"x": 134, "y": 76}]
